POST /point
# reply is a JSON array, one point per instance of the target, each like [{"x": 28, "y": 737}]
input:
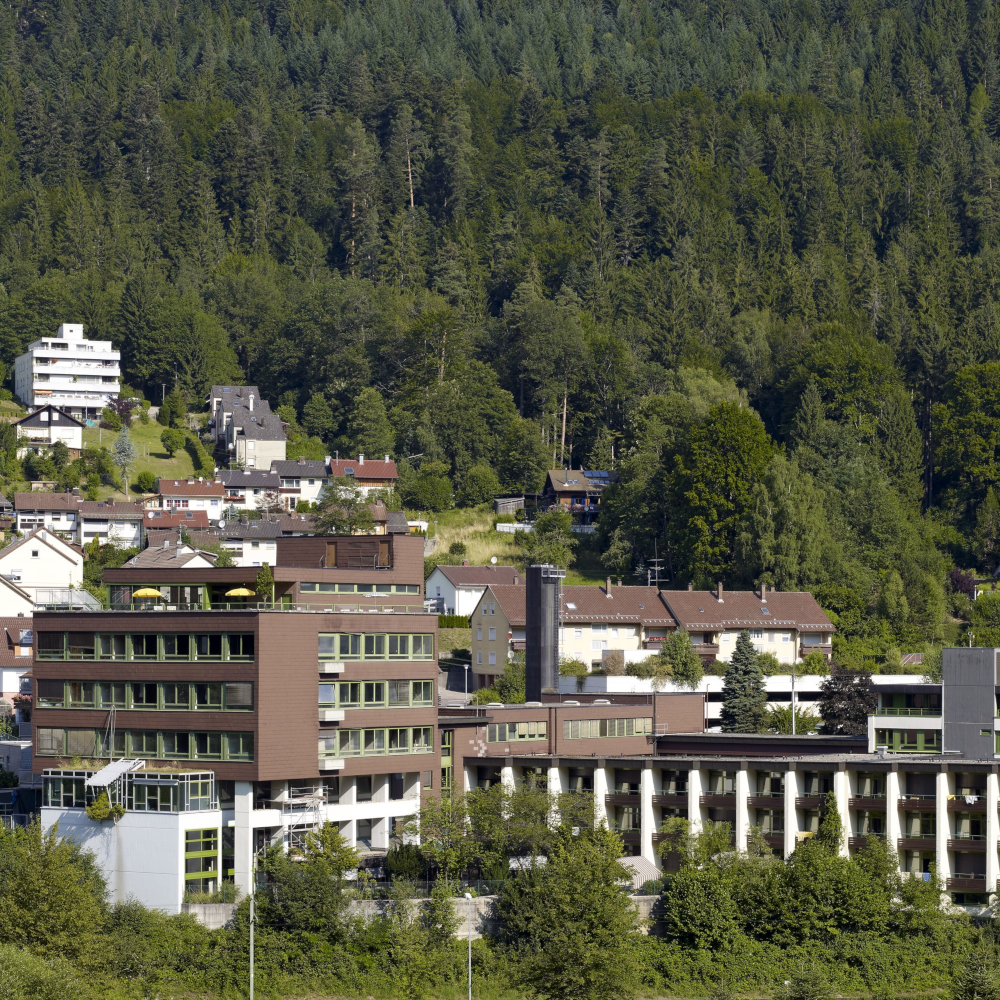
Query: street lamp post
[{"x": 468, "y": 897}]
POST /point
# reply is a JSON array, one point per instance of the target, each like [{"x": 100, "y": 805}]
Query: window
[
  {"x": 177, "y": 647},
  {"x": 144, "y": 647},
  {"x": 584, "y": 729},
  {"x": 756, "y": 633},
  {"x": 239, "y": 696},
  {"x": 484, "y": 608},
  {"x": 493, "y": 658},
  {"x": 399, "y": 692},
  {"x": 208, "y": 746},
  {"x": 34, "y": 553},
  {"x": 143, "y": 695},
  {"x": 492, "y": 608},
  {"x": 327, "y": 695},
  {"x": 208, "y": 696},
  {"x": 176, "y": 745},
  {"x": 479, "y": 634},
  {"x": 51, "y": 742},
  {"x": 374, "y": 693},
  {"x": 49, "y": 694},
  {"x": 493, "y": 635},
  {"x": 479, "y": 660},
  {"x": 363, "y": 788},
  {"x": 423, "y": 692},
  {"x": 578, "y": 633},
  {"x": 377, "y": 742},
  {"x": 51, "y": 646},
  {"x": 598, "y": 644},
  {"x": 175, "y": 694},
  {"x": 349, "y": 694},
  {"x": 208, "y": 647},
  {"x": 142, "y": 743},
  {"x": 508, "y": 732}
]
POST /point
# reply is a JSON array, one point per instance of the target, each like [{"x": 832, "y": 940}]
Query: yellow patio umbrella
[
  {"x": 240, "y": 592},
  {"x": 147, "y": 592}
]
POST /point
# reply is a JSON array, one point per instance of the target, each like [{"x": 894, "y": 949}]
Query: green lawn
[{"x": 152, "y": 457}]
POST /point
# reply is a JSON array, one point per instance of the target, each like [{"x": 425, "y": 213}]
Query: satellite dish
[
  {"x": 493, "y": 560},
  {"x": 222, "y": 524}
]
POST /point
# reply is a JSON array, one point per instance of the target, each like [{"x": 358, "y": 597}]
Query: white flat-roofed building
[{"x": 77, "y": 375}]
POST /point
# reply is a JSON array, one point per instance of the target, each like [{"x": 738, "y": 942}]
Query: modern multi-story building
[
  {"x": 246, "y": 722},
  {"x": 77, "y": 375}
]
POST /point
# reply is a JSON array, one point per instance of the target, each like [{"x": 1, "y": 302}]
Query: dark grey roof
[
  {"x": 169, "y": 557},
  {"x": 34, "y": 418},
  {"x": 300, "y": 467},
  {"x": 248, "y": 478},
  {"x": 258, "y": 425},
  {"x": 251, "y": 529},
  {"x": 396, "y": 523}
]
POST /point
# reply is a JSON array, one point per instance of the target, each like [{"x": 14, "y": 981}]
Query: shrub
[
  {"x": 453, "y": 621},
  {"x": 614, "y": 663},
  {"x": 457, "y": 549},
  {"x": 146, "y": 481}
]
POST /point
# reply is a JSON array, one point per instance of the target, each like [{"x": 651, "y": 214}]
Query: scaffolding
[{"x": 302, "y": 814}]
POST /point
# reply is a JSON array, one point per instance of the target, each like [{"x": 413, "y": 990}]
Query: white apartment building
[{"x": 77, "y": 375}]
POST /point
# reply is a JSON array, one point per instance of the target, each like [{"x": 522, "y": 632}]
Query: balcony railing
[
  {"x": 766, "y": 801},
  {"x": 967, "y": 882},
  {"x": 809, "y": 801},
  {"x": 916, "y": 843},
  {"x": 967, "y": 845},
  {"x": 671, "y": 800},
  {"x": 867, "y": 802},
  {"x": 859, "y": 842},
  {"x": 915, "y": 712},
  {"x": 622, "y": 799},
  {"x": 973, "y": 802},
  {"x": 724, "y": 799}
]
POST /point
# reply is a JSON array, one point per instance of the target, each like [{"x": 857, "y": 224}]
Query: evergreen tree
[
  {"x": 977, "y": 980},
  {"x": 744, "y": 697},
  {"x": 368, "y": 427},
  {"x": 846, "y": 699}
]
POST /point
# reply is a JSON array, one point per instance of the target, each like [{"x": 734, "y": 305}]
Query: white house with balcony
[
  {"x": 40, "y": 430},
  {"x": 77, "y": 375}
]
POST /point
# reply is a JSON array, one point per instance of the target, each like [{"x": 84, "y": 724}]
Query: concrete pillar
[
  {"x": 649, "y": 825},
  {"x": 470, "y": 777},
  {"x": 793, "y": 789},
  {"x": 380, "y": 833},
  {"x": 600, "y": 791},
  {"x": 842, "y": 790},
  {"x": 893, "y": 828},
  {"x": 992, "y": 832},
  {"x": 411, "y": 785},
  {"x": 557, "y": 780},
  {"x": 507, "y": 777},
  {"x": 742, "y": 808},
  {"x": 696, "y": 788},
  {"x": 943, "y": 823},
  {"x": 243, "y": 837}
]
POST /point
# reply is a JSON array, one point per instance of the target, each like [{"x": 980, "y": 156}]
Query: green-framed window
[
  {"x": 359, "y": 588},
  {"x": 230, "y": 647},
  {"x": 377, "y": 742},
  {"x": 201, "y": 860},
  {"x": 910, "y": 740},
  {"x": 589, "y": 729},
  {"x": 376, "y": 694},
  {"x": 511, "y": 732},
  {"x": 153, "y": 744},
  {"x": 375, "y": 646},
  {"x": 163, "y": 696}
]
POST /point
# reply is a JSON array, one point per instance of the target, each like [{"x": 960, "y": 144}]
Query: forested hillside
[{"x": 743, "y": 251}]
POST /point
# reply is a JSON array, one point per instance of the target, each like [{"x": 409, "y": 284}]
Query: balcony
[
  {"x": 331, "y": 763},
  {"x": 927, "y": 713},
  {"x": 916, "y": 844},
  {"x": 868, "y": 802},
  {"x": 775, "y": 840},
  {"x": 719, "y": 800},
  {"x": 766, "y": 801},
  {"x": 331, "y": 715},
  {"x": 859, "y": 843},
  {"x": 622, "y": 799},
  {"x": 707, "y": 649},
  {"x": 968, "y": 844},
  {"x": 671, "y": 801},
  {"x": 967, "y": 882},
  {"x": 327, "y": 667},
  {"x": 630, "y": 836},
  {"x": 967, "y": 803},
  {"x": 809, "y": 801},
  {"x": 917, "y": 803}
]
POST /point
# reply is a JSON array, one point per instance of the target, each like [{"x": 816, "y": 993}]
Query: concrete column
[
  {"x": 380, "y": 788},
  {"x": 507, "y": 777},
  {"x": 411, "y": 785},
  {"x": 992, "y": 832},
  {"x": 842, "y": 790},
  {"x": 600, "y": 791},
  {"x": 943, "y": 823},
  {"x": 742, "y": 808},
  {"x": 243, "y": 837},
  {"x": 696, "y": 788},
  {"x": 470, "y": 777},
  {"x": 793, "y": 789},
  {"x": 648, "y": 823},
  {"x": 380, "y": 833},
  {"x": 557, "y": 780},
  {"x": 893, "y": 828}
]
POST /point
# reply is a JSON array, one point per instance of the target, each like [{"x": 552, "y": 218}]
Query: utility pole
[{"x": 253, "y": 920}]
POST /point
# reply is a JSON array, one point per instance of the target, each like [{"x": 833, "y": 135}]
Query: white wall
[
  {"x": 40, "y": 566},
  {"x": 245, "y": 554}
]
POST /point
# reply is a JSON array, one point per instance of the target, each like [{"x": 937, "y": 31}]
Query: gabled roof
[
  {"x": 575, "y": 480},
  {"x": 296, "y": 524},
  {"x": 169, "y": 557},
  {"x": 309, "y": 467},
  {"x": 697, "y": 610},
  {"x": 251, "y": 529},
  {"x": 369, "y": 469},
  {"x": 396, "y": 523},
  {"x": 190, "y": 488},
  {"x": 46, "y": 501},
  {"x": 100, "y": 510},
  {"x": 34, "y": 418},
  {"x": 481, "y": 576},
  {"x": 71, "y": 553},
  {"x": 176, "y": 519}
]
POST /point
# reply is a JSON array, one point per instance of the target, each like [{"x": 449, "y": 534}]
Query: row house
[
  {"x": 189, "y": 494},
  {"x": 78, "y": 520},
  {"x": 369, "y": 475},
  {"x": 302, "y": 479},
  {"x": 239, "y": 724}
]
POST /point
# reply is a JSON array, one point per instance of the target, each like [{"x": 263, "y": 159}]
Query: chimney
[
  {"x": 763, "y": 593},
  {"x": 361, "y": 459},
  {"x": 718, "y": 592},
  {"x": 607, "y": 587},
  {"x": 302, "y": 460},
  {"x": 690, "y": 587},
  {"x": 250, "y": 407},
  {"x": 166, "y": 543},
  {"x": 465, "y": 562},
  {"x": 387, "y": 458}
]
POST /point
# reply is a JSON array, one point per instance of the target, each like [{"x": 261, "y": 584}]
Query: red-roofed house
[
  {"x": 189, "y": 494},
  {"x": 191, "y": 520},
  {"x": 367, "y": 474}
]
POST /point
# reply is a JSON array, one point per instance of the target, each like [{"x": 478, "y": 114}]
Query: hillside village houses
[
  {"x": 456, "y": 590},
  {"x": 366, "y": 474},
  {"x": 41, "y": 429}
]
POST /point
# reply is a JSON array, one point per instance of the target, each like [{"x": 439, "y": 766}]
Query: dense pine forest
[{"x": 744, "y": 253}]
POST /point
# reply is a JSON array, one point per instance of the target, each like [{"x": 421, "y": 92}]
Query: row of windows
[
  {"x": 145, "y": 743},
  {"x": 145, "y": 646},
  {"x": 507, "y": 732},
  {"x": 376, "y": 694},
  {"x": 377, "y": 646},
  {"x": 206, "y": 696},
  {"x": 359, "y": 588},
  {"x": 910, "y": 740},
  {"x": 377, "y": 742},
  {"x": 589, "y": 729}
]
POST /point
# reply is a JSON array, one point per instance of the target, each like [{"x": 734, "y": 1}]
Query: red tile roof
[
  {"x": 697, "y": 610},
  {"x": 186, "y": 488},
  {"x": 10, "y": 634},
  {"x": 592, "y": 604},
  {"x": 369, "y": 470}
]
